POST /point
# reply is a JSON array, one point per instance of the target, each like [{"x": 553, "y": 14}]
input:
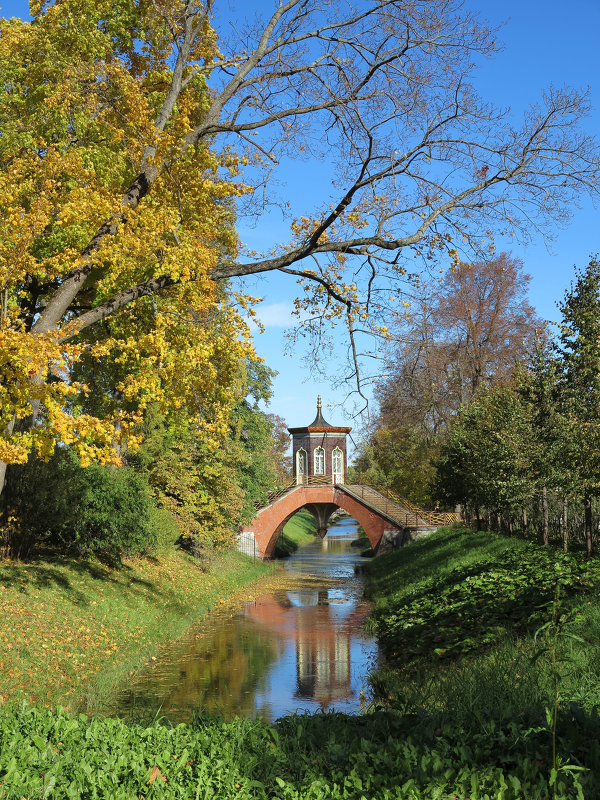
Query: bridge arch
[{"x": 269, "y": 521}]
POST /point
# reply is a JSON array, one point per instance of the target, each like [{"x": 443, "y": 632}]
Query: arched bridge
[{"x": 386, "y": 520}]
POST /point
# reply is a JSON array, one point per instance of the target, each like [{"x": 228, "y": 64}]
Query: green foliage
[
  {"x": 540, "y": 434},
  {"x": 485, "y": 633},
  {"x": 301, "y": 528},
  {"x": 400, "y": 459},
  {"x": 101, "y": 510},
  {"x": 470, "y": 602},
  {"x": 324, "y": 757},
  {"x": 465, "y": 332},
  {"x": 485, "y": 461},
  {"x": 211, "y": 490}
]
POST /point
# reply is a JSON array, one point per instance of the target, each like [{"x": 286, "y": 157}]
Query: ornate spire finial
[{"x": 318, "y": 402}]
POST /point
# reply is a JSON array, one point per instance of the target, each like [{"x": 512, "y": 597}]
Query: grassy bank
[
  {"x": 490, "y": 636},
  {"x": 73, "y": 629},
  {"x": 300, "y": 529}
]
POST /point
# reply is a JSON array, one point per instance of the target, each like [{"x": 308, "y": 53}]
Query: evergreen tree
[{"x": 580, "y": 383}]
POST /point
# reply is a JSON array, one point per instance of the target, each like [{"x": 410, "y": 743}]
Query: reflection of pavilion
[
  {"x": 323, "y": 634},
  {"x": 323, "y": 666}
]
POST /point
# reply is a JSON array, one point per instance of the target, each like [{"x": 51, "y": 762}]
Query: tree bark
[
  {"x": 587, "y": 505},
  {"x": 565, "y": 525},
  {"x": 544, "y": 516},
  {"x": 525, "y": 523}
]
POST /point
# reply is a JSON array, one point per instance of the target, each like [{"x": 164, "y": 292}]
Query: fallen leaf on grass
[{"x": 156, "y": 773}]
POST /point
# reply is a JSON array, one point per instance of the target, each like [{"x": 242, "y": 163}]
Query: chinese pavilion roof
[{"x": 319, "y": 425}]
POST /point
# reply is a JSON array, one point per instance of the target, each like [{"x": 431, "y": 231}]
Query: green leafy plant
[
  {"x": 550, "y": 634},
  {"x": 96, "y": 510}
]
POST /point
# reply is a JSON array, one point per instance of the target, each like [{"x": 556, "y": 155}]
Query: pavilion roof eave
[{"x": 319, "y": 429}]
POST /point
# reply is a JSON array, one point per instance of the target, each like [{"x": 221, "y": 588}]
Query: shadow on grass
[{"x": 61, "y": 571}]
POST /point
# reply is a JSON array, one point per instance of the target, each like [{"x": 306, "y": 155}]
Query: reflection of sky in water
[{"x": 297, "y": 650}]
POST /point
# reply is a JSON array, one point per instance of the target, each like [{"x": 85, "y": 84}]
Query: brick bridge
[{"x": 388, "y": 521}]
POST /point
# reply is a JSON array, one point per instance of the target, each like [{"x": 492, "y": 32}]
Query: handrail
[
  {"x": 412, "y": 514},
  {"x": 306, "y": 480},
  {"x": 434, "y": 517}
]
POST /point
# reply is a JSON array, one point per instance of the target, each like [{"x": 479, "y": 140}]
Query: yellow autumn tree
[{"x": 83, "y": 85}]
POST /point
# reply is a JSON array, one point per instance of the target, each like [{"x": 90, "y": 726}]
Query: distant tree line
[
  {"x": 526, "y": 453},
  {"x": 488, "y": 410}
]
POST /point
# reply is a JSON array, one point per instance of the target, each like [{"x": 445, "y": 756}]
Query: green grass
[
  {"x": 464, "y": 705},
  {"x": 469, "y": 623},
  {"x": 300, "y": 529},
  {"x": 381, "y": 756},
  {"x": 73, "y": 629}
]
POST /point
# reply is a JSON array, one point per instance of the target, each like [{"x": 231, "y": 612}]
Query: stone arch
[{"x": 269, "y": 522}]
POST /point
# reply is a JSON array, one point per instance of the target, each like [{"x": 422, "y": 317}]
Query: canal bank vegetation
[
  {"x": 74, "y": 628},
  {"x": 381, "y": 756},
  {"x": 490, "y": 692},
  {"x": 511, "y": 434},
  {"x": 495, "y": 637},
  {"x": 299, "y": 530}
]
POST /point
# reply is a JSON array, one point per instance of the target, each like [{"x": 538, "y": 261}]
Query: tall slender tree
[
  {"x": 538, "y": 387},
  {"x": 579, "y": 347}
]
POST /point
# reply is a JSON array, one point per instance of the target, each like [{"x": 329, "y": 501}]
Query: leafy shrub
[
  {"x": 324, "y": 757},
  {"x": 102, "y": 510}
]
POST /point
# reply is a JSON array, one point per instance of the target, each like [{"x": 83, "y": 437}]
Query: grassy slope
[
  {"x": 300, "y": 529},
  {"x": 71, "y": 629},
  {"x": 457, "y": 615}
]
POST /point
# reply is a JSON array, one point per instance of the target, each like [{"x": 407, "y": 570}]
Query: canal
[{"x": 299, "y": 648}]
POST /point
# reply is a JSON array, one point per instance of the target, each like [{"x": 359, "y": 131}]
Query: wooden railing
[
  {"x": 304, "y": 480},
  {"x": 411, "y": 519},
  {"x": 315, "y": 480}
]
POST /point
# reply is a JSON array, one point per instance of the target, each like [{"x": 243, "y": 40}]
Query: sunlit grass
[
  {"x": 72, "y": 629},
  {"x": 299, "y": 530}
]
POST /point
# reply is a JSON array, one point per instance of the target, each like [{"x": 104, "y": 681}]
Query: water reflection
[{"x": 297, "y": 649}]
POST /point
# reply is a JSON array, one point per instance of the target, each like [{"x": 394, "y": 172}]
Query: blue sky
[{"x": 547, "y": 42}]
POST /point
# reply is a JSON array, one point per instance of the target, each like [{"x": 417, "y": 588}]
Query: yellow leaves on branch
[{"x": 77, "y": 117}]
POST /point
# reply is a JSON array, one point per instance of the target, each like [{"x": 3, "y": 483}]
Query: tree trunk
[
  {"x": 499, "y": 523},
  {"x": 587, "y": 505},
  {"x": 565, "y": 525},
  {"x": 544, "y": 516},
  {"x": 510, "y": 527},
  {"x": 478, "y": 518},
  {"x": 524, "y": 523}
]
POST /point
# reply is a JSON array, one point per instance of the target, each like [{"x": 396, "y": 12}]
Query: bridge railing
[
  {"x": 432, "y": 518},
  {"x": 302, "y": 480}
]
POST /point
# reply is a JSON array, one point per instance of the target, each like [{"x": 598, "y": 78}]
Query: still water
[{"x": 300, "y": 648}]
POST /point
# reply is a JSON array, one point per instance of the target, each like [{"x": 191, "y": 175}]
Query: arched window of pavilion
[
  {"x": 337, "y": 466},
  {"x": 319, "y": 461},
  {"x": 301, "y": 465}
]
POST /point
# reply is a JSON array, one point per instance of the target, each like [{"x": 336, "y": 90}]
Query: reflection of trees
[{"x": 218, "y": 672}]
